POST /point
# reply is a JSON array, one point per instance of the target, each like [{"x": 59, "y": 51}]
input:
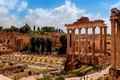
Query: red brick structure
[
  {"x": 84, "y": 42},
  {"x": 115, "y": 26},
  {"x": 55, "y": 36},
  {"x": 97, "y": 43},
  {"x": 22, "y": 41},
  {"x": 14, "y": 40}
]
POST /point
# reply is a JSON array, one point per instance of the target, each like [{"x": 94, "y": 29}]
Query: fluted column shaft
[
  {"x": 93, "y": 42},
  {"x": 86, "y": 44},
  {"x": 114, "y": 63},
  {"x": 101, "y": 39},
  {"x": 68, "y": 41},
  {"x": 73, "y": 41},
  {"x": 105, "y": 35},
  {"x": 79, "y": 41}
]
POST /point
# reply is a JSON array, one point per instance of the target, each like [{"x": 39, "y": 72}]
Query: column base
[{"x": 115, "y": 73}]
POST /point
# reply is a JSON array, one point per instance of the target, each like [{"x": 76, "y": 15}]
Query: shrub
[{"x": 60, "y": 78}]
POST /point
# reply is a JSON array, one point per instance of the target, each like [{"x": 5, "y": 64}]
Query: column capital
[
  {"x": 105, "y": 26},
  {"x": 101, "y": 27},
  {"x": 73, "y": 30}
]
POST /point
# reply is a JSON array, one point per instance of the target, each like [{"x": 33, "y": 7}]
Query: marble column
[
  {"x": 73, "y": 41},
  {"x": 68, "y": 41},
  {"x": 113, "y": 26},
  {"x": 105, "y": 35},
  {"x": 93, "y": 45},
  {"x": 113, "y": 60},
  {"x": 93, "y": 42},
  {"x": 101, "y": 39},
  {"x": 86, "y": 44},
  {"x": 79, "y": 40},
  {"x": 118, "y": 43}
]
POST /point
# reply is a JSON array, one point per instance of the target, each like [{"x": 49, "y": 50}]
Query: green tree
[
  {"x": 33, "y": 44},
  {"x": 48, "y": 45},
  {"x": 63, "y": 41},
  {"x": 59, "y": 30},
  {"x": 34, "y": 28},
  {"x": 38, "y": 29},
  {"x": 1, "y": 28},
  {"x": 11, "y": 29},
  {"x": 14, "y": 29},
  {"x": 42, "y": 45},
  {"x": 48, "y": 29},
  {"x": 25, "y": 29},
  {"x": 7, "y": 30}
]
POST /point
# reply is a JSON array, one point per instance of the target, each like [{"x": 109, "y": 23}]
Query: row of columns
[
  {"x": 71, "y": 40},
  {"x": 115, "y": 47}
]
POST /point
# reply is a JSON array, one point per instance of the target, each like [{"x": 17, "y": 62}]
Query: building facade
[{"x": 14, "y": 40}]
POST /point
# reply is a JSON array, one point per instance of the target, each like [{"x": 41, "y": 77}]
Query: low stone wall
[{"x": 75, "y": 61}]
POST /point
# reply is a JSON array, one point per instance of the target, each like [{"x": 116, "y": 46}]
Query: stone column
[
  {"x": 113, "y": 26},
  {"x": 105, "y": 35},
  {"x": 86, "y": 44},
  {"x": 79, "y": 41},
  {"x": 118, "y": 43},
  {"x": 73, "y": 41},
  {"x": 68, "y": 41},
  {"x": 101, "y": 39},
  {"x": 113, "y": 60},
  {"x": 93, "y": 42},
  {"x": 93, "y": 45}
]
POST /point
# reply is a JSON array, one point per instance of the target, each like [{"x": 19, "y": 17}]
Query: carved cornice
[
  {"x": 115, "y": 15},
  {"x": 84, "y": 22}
]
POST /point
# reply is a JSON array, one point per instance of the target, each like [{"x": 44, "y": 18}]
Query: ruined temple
[
  {"x": 84, "y": 48},
  {"x": 115, "y": 26},
  {"x": 14, "y": 40}
]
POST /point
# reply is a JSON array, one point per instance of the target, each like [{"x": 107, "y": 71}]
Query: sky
[{"x": 53, "y": 12}]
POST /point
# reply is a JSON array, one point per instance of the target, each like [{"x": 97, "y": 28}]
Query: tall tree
[
  {"x": 25, "y": 29},
  {"x": 34, "y": 28},
  {"x": 59, "y": 30},
  {"x": 48, "y": 45},
  {"x": 63, "y": 41},
  {"x": 42, "y": 45},
  {"x": 14, "y": 29},
  {"x": 38, "y": 29},
  {"x": 48, "y": 29},
  {"x": 33, "y": 44},
  {"x": 1, "y": 28}
]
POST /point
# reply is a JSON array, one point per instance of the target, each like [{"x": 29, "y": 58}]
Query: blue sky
[
  {"x": 92, "y": 6},
  {"x": 53, "y": 12}
]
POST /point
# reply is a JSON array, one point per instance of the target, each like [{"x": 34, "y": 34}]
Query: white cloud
[
  {"x": 6, "y": 6},
  {"x": 9, "y": 4},
  {"x": 116, "y": 5},
  {"x": 23, "y": 5},
  {"x": 58, "y": 16},
  {"x": 3, "y": 11}
]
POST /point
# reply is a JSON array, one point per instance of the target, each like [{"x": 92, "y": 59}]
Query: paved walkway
[
  {"x": 4, "y": 78},
  {"x": 29, "y": 78},
  {"x": 93, "y": 76}
]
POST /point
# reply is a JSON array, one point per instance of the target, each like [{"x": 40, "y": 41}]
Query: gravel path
[{"x": 93, "y": 76}]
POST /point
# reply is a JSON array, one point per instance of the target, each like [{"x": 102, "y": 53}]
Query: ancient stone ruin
[
  {"x": 115, "y": 26},
  {"x": 85, "y": 53}
]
